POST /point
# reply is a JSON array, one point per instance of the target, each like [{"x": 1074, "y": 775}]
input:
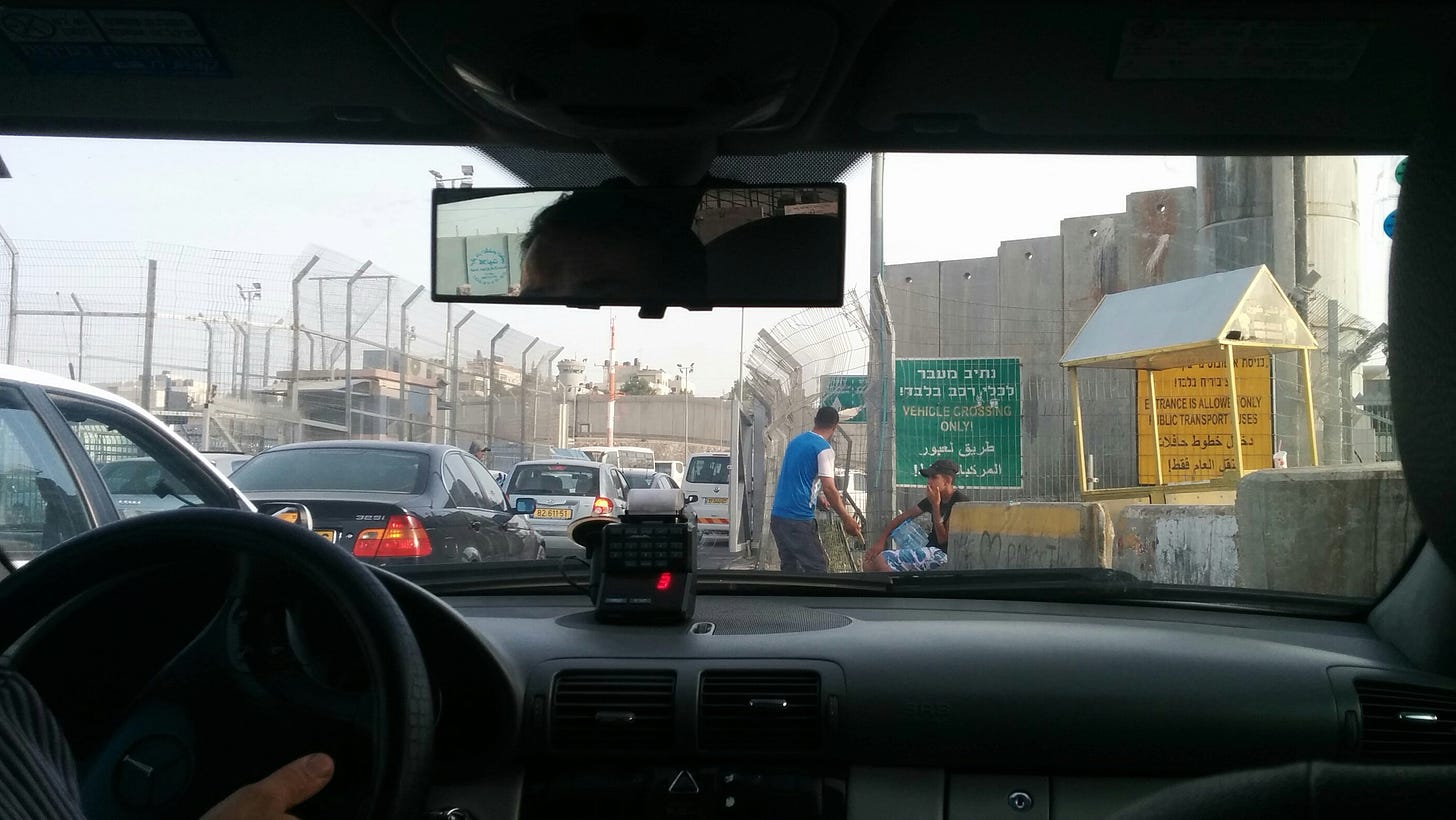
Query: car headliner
[{"x": 854, "y": 76}]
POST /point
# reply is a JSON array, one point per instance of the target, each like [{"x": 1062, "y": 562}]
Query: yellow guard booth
[{"x": 1209, "y": 320}]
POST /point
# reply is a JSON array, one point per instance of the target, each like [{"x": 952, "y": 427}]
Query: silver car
[{"x": 565, "y": 490}]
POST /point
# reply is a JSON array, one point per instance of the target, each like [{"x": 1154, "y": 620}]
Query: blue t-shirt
[{"x": 796, "y": 477}]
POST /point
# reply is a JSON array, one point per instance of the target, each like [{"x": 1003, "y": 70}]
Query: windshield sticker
[
  {"x": 110, "y": 41},
  {"x": 964, "y": 410}
]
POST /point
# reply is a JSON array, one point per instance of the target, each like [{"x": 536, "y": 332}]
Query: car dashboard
[{"x": 814, "y": 707}]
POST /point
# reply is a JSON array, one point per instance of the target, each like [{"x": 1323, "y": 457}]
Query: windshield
[
  {"x": 553, "y": 479},
  {"x": 707, "y": 470},
  {"x": 1079, "y": 361},
  {"x": 334, "y": 469}
]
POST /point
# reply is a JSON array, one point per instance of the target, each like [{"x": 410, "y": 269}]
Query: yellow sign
[{"x": 1195, "y": 432}]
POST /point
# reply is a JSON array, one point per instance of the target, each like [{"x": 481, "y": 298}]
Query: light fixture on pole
[{"x": 684, "y": 370}]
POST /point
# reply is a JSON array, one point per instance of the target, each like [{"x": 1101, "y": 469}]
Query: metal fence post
[
  {"x": 149, "y": 334},
  {"x": 494, "y": 385},
  {"x": 207, "y": 403},
  {"x": 404, "y": 340},
  {"x": 455, "y": 379},
  {"x": 80, "y": 339},
  {"x": 535, "y": 405},
  {"x": 10, "y": 328},
  {"x": 523, "y": 392},
  {"x": 349, "y": 349},
  {"x": 297, "y": 340}
]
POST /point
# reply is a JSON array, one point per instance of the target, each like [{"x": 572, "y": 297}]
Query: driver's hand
[{"x": 272, "y": 797}]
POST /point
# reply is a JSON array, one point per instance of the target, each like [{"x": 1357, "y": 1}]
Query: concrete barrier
[
  {"x": 1330, "y": 530},
  {"x": 1178, "y": 544},
  {"x": 996, "y": 535}
]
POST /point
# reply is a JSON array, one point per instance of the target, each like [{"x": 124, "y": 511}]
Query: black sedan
[{"x": 394, "y": 502}]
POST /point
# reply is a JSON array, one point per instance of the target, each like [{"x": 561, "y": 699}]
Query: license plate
[
  {"x": 715, "y": 501},
  {"x": 551, "y": 513},
  {"x": 329, "y": 534}
]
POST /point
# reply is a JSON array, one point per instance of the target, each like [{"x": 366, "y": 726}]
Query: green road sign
[
  {"x": 966, "y": 410},
  {"x": 846, "y": 394}
]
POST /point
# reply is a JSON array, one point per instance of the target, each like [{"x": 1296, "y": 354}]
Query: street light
[{"x": 684, "y": 370}]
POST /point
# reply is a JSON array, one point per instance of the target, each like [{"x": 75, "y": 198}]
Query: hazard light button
[{"x": 684, "y": 783}]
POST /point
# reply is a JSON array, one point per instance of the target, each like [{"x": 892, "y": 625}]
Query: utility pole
[
  {"x": 685, "y": 370},
  {"x": 612, "y": 384}
]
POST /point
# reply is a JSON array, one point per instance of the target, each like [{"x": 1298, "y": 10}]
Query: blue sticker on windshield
[
  {"x": 1389, "y": 225},
  {"x": 110, "y": 41}
]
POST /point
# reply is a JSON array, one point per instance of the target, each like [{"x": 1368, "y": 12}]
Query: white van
[
  {"x": 624, "y": 458},
  {"x": 707, "y": 477}
]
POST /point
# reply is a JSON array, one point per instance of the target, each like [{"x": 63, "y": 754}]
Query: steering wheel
[{"x": 246, "y": 695}]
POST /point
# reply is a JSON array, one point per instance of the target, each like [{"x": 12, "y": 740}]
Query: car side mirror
[
  {"x": 293, "y": 514},
  {"x": 525, "y": 506},
  {"x": 690, "y": 499}
]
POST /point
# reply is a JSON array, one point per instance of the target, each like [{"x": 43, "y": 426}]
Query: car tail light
[
  {"x": 402, "y": 536},
  {"x": 602, "y": 506}
]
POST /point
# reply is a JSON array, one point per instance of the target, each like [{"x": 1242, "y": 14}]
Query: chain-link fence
[
  {"x": 1351, "y": 397},
  {"x": 242, "y": 351},
  {"x": 788, "y": 373}
]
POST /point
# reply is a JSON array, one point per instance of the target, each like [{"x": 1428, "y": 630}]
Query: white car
[
  {"x": 565, "y": 490},
  {"x": 57, "y": 440}
]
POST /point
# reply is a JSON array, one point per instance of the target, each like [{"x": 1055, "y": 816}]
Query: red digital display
[{"x": 664, "y": 581}]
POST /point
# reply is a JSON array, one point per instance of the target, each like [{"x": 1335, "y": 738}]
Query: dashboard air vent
[
  {"x": 1403, "y": 722},
  {"x": 772, "y": 710},
  {"x": 612, "y": 710}
]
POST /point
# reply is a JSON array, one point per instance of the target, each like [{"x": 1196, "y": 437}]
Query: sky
[{"x": 373, "y": 202}]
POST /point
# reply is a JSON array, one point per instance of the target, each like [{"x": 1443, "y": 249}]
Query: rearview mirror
[
  {"x": 290, "y": 513},
  {"x": 525, "y": 506},
  {"x": 696, "y": 247}
]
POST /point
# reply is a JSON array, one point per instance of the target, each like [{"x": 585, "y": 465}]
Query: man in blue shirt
[{"x": 807, "y": 457}]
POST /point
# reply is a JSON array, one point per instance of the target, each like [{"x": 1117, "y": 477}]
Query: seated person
[{"x": 940, "y": 496}]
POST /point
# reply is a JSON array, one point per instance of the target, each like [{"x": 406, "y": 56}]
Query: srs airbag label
[{"x": 110, "y": 41}]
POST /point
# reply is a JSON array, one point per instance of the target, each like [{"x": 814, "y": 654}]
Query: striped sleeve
[{"x": 37, "y": 773}]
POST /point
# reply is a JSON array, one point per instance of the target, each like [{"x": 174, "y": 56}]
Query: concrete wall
[
  {"x": 1029, "y": 301},
  {"x": 1178, "y": 544},
  {"x": 1326, "y": 530},
  {"x": 1330, "y": 530},
  {"x": 988, "y": 535}
]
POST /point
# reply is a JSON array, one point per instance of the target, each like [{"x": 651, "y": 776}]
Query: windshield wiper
[
  {"x": 166, "y": 490},
  {"x": 1072, "y": 584}
]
